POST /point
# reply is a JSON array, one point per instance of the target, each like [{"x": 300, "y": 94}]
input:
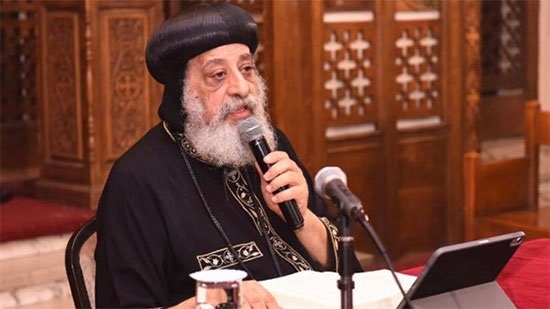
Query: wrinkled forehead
[{"x": 223, "y": 55}]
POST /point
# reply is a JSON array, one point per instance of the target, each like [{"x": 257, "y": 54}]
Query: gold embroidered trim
[
  {"x": 333, "y": 233},
  {"x": 238, "y": 187},
  {"x": 189, "y": 149},
  {"x": 223, "y": 258}
]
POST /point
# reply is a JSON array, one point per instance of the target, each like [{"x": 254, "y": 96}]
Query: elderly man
[{"x": 187, "y": 196}]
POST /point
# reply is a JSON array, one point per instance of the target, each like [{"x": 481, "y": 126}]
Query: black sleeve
[{"x": 318, "y": 205}]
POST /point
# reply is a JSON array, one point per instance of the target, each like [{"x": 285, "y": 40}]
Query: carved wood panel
[
  {"x": 18, "y": 25},
  {"x": 422, "y": 197},
  {"x": 349, "y": 74},
  {"x": 127, "y": 106},
  {"x": 387, "y": 91},
  {"x": 363, "y": 161},
  {"x": 19, "y": 142},
  {"x": 62, "y": 100},
  {"x": 98, "y": 98},
  {"x": 349, "y": 105},
  {"x": 502, "y": 53},
  {"x": 509, "y": 57},
  {"x": 472, "y": 74},
  {"x": 417, "y": 61}
]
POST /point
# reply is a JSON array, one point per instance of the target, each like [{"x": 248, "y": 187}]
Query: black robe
[{"x": 154, "y": 229}]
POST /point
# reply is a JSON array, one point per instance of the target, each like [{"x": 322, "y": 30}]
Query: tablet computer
[{"x": 463, "y": 275}]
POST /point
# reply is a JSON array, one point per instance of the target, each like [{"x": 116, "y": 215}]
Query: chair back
[
  {"x": 537, "y": 133},
  {"x": 80, "y": 264},
  {"x": 496, "y": 186},
  {"x": 502, "y": 195}
]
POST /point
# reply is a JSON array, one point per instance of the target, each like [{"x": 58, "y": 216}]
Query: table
[{"x": 526, "y": 277}]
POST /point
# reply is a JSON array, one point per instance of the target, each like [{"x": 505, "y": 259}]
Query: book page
[{"x": 319, "y": 290}]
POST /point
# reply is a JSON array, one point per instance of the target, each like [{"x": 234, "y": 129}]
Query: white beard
[{"x": 219, "y": 142}]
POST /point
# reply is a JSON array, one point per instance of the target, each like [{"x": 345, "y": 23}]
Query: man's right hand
[{"x": 255, "y": 296}]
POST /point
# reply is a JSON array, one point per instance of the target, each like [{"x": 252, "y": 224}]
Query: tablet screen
[{"x": 466, "y": 264}]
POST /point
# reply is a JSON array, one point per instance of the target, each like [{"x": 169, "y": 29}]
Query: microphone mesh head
[
  {"x": 325, "y": 176},
  {"x": 250, "y": 129}
]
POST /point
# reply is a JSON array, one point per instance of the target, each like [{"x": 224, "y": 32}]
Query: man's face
[
  {"x": 222, "y": 88},
  {"x": 221, "y": 74}
]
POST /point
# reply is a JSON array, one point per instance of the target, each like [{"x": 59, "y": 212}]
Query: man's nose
[{"x": 238, "y": 85}]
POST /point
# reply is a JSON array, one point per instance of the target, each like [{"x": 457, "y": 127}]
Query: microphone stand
[
  {"x": 346, "y": 284},
  {"x": 349, "y": 212},
  {"x": 345, "y": 269},
  {"x": 331, "y": 182}
]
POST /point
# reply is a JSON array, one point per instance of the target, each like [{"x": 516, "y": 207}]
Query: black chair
[{"x": 80, "y": 264}]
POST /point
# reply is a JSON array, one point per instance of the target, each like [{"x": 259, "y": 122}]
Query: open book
[{"x": 319, "y": 290}]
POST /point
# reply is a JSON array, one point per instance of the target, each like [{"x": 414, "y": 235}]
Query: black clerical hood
[{"x": 187, "y": 35}]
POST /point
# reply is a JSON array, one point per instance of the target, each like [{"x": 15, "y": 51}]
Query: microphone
[
  {"x": 250, "y": 131},
  {"x": 331, "y": 182}
]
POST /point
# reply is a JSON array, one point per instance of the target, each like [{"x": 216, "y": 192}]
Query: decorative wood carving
[
  {"x": 502, "y": 53},
  {"x": 418, "y": 65},
  {"x": 509, "y": 56},
  {"x": 98, "y": 98},
  {"x": 18, "y": 22},
  {"x": 401, "y": 168},
  {"x": 62, "y": 106},
  {"x": 126, "y": 101},
  {"x": 349, "y": 104},
  {"x": 18, "y": 92},
  {"x": 472, "y": 74},
  {"x": 348, "y": 74}
]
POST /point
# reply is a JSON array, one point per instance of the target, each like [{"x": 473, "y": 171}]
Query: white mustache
[{"x": 235, "y": 104}]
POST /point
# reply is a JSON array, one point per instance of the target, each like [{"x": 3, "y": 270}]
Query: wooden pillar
[
  {"x": 294, "y": 70},
  {"x": 96, "y": 96},
  {"x": 454, "y": 42}
]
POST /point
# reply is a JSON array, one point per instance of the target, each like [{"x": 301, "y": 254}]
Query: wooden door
[{"x": 375, "y": 87}]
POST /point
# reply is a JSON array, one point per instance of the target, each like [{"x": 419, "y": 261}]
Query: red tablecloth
[{"x": 526, "y": 277}]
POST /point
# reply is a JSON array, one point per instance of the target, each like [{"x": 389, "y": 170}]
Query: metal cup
[{"x": 218, "y": 288}]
